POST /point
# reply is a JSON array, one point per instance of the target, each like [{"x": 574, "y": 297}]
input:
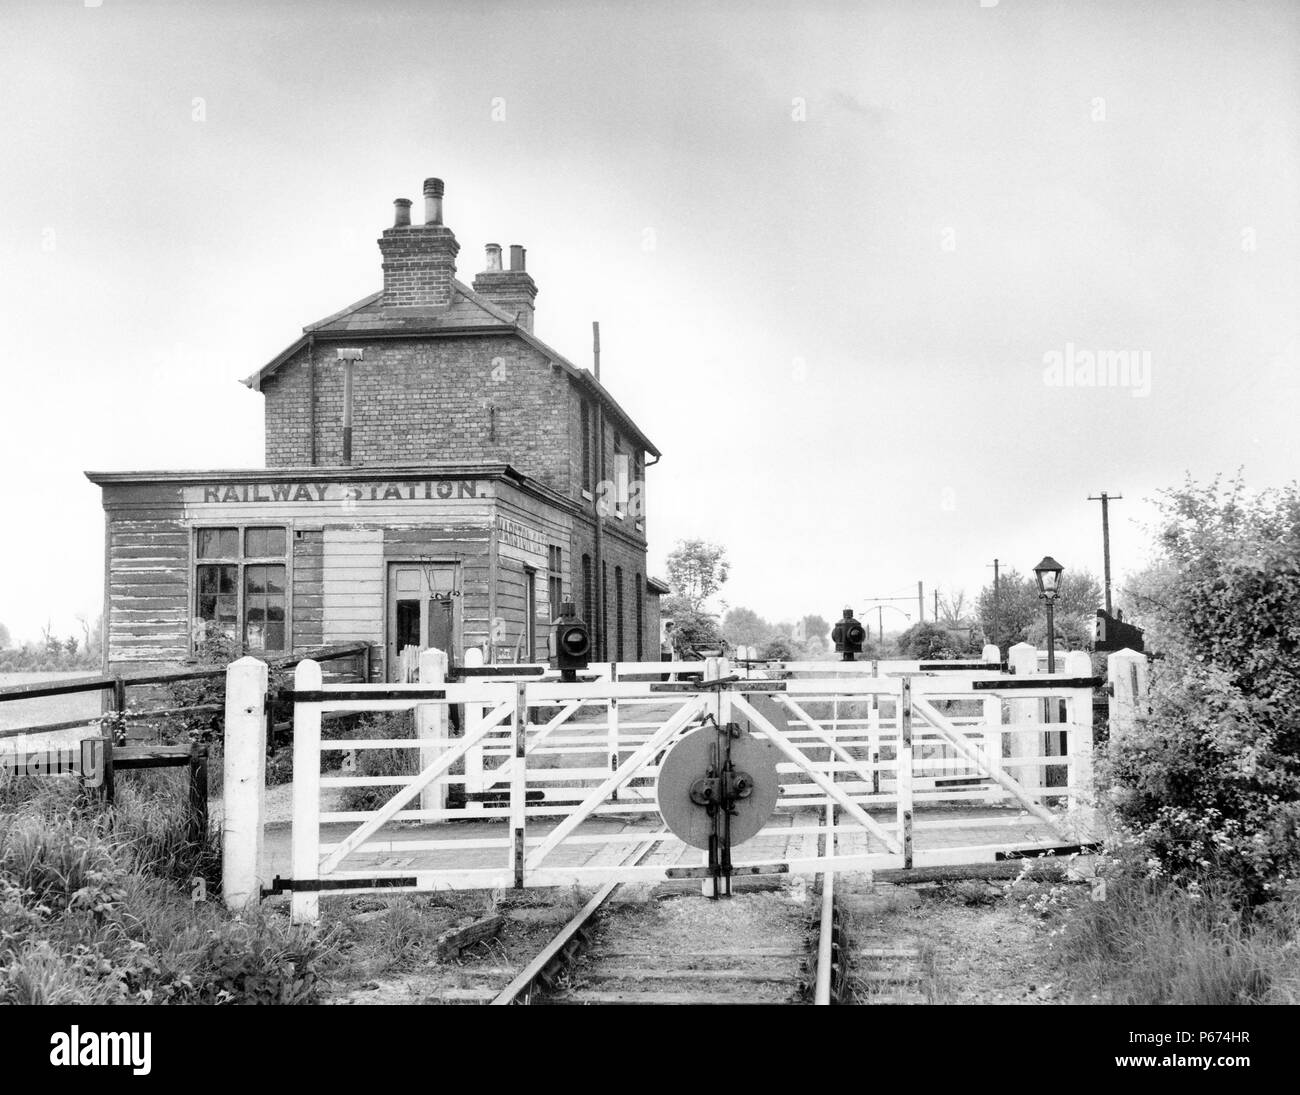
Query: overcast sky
[{"x": 840, "y": 254}]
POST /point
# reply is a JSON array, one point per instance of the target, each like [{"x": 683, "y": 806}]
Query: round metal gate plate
[{"x": 688, "y": 761}]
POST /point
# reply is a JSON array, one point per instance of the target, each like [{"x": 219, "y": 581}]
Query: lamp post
[{"x": 1048, "y": 573}]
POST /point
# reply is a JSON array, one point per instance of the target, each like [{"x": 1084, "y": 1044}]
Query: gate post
[
  {"x": 903, "y": 778},
  {"x": 1128, "y": 675},
  {"x": 431, "y": 726},
  {"x": 1023, "y": 660},
  {"x": 1079, "y": 738},
  {"x": 474, "y": 779},
  {"x": 304, "y": 906},
  {"x": 243, "y": 783}
]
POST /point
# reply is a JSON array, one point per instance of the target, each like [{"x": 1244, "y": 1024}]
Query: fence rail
[{"x": 119, "y": 684}]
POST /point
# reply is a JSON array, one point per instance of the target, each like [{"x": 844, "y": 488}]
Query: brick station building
[{"x": 483, "y": 479}]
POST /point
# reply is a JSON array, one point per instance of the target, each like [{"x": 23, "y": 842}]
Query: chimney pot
[
  {"x": 401, "y": 212},
  {"x": 493, "y": 257},
  {"x": 433, "y": 201},
  {"x": 517, "y": 254}
]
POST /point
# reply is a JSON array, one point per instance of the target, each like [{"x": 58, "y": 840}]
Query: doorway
[{"x": 423, "y": 610}]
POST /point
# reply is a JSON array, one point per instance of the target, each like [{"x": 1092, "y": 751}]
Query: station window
[
  {"x": 555, "y": 579},
  {"x": 239, "y": 584},
  {"x": 640, "y": 618},
  {"x": 586, "y": 446},
  {"x": 618, "y": 613}
]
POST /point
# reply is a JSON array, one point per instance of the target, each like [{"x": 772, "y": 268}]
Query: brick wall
[{"x": 445, "y": 399}]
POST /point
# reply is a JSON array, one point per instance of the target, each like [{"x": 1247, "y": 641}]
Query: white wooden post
[
  {"x": 431, "y": 726},
  {"x": 904, "y": 783},
  {"x": 244, "y": 783},
  {"x": 473, "y": 717},
  {"x": 993, "y": 737},
  {"x": 612, "y": 739},
  {"x": 519, "y": 783},
  {"x": 1079, "y": 738},
  {"x": 1127, "y": 672},
  {"x": 304, "y": 907},
  {"x": 1023, "y": 660}
]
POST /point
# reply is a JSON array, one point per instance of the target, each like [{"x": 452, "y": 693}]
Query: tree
[
  {"x": 1017, "y": 608},
  {"x": 745, "y": 626},
  {"x": 1020, "y": 608},
  {"x": 5, "y": 639},
  {"x": 953, "y": 608},
  {"x": 70, "y": 644},
  {"x": 693, "y": 625},
  {"x": 697, "y": 570}
]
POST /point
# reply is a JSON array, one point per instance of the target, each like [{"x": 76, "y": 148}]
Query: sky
[{"x": 850, "y": 261}]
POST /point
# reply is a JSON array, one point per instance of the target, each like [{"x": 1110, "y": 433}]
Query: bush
[
  {"x": 259, "y": 961},
  {"x": 1209, "y": 783},
  {"x": 926, "y": 640}
]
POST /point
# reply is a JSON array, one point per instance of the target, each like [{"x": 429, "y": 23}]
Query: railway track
[{"x": 690, "y": 951}]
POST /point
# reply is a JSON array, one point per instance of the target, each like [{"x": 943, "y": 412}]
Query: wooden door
[{"x": 423, "y": 609}]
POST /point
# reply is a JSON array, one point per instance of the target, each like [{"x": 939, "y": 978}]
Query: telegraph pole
[
  {"x": 1105, "y": 500},
  {"x": 920, "y": 601}
]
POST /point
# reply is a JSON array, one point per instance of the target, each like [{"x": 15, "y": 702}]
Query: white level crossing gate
[{"x": 554, "y": 784}]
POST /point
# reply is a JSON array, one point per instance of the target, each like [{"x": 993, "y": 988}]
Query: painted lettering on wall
[
  {"x": 410, "y": 491},
  {"x": 519, "y": 536}
]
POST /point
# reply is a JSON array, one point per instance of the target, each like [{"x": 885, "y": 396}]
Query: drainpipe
[
  {"x": 311, "y": 392},
  {"x": 348, "y": 357}
]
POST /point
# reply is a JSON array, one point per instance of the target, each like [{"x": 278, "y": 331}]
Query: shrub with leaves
[{"x": 1210, "y": 781}]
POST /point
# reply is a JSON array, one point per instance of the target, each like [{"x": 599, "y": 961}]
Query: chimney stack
[
  {"x": 419, "y": 259},
  {"x": 432, "y": 201},
  {"x": 511, "y": 290}
]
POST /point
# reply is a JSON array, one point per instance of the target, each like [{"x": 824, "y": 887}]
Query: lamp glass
[{"x": 1048, "y": 573}]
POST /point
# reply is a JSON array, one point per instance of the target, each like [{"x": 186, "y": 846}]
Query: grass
[
  {"x": 1155, "y": 942},
  {"x": 97, "y": 906}
]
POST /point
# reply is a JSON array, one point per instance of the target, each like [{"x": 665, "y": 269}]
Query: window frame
[{"x": 241, "y": 563}]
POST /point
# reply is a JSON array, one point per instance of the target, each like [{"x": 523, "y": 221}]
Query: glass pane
[
  {"x": 207, "y": 608},
  {"x": 275, "y": 609},
  {"x": 275, "y": 636},
  {"x": 256, "y": 615},
  {"x": 218, "y": 543},
  {"x": 254, "y": 580},
  {"x": 263, "y": 543},
  {"x": 407, "y": 624},
  {"x": 207, "y": 580},
  {"x": 226, "y": 577},
  {"x": 274, "y": 579}
]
